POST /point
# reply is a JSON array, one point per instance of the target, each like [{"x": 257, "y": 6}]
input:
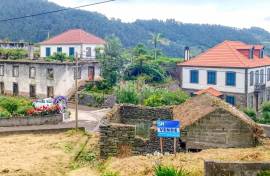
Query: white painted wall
[
  {"x": 65, "y": 49},
  {"x": 63, "y": 81},
  {"x": 221, "y": 79},
  {"x": 265, "y": 81}
]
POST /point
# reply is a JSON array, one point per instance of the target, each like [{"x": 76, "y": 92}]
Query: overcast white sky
[{"x": 236, "y": 13}]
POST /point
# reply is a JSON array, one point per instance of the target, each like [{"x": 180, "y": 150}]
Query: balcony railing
[{"x": 260, "y": 87}]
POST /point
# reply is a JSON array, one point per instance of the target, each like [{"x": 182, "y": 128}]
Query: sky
[{"x": 235, "y": 13}]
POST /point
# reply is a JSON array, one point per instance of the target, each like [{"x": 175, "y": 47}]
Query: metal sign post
[
  {"x": 168, "y": 129},
  {"x": 76, "y": 93}
]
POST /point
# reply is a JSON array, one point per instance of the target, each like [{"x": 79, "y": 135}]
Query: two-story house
[
  {"x": 72, "y": 42},
  {"x": 240, "y": 72}
]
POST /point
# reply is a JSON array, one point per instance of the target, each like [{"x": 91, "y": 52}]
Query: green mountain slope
[{"x": 198, "y": 37}]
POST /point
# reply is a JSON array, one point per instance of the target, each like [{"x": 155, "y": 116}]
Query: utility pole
[{"x": 76, "y": 91}]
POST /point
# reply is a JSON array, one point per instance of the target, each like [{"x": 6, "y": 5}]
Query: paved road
[{"x": 89, "y": 118}]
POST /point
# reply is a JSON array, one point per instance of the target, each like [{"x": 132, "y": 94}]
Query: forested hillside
[{"x": 178, "y": 35}]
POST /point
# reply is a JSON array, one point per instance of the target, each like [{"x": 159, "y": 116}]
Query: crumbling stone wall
[
  {"x": 219, "y": 129},
  {"x": 118, "y": 130},
  {"x": 131, "y": 113},
  {"x": 115, "y": 136},
  {"x": 218, "y": 168}
]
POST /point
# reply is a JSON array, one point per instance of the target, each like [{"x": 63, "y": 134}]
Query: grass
[
  {"x": 76, "y": 153},
  {"x": 41, "y": 154},
  {"x": 192, "y": 163}
]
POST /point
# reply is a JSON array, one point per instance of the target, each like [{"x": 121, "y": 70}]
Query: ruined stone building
[{"x": 42, "y": 78}]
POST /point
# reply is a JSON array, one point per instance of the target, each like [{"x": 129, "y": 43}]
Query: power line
[{"x": 55, "y": 11}]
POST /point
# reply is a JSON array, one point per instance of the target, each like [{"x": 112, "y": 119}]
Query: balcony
[{"x": 260, "y": 87}]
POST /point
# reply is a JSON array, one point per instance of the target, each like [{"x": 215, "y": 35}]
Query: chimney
[
  {"x": 251, "y": 52},
  {"x": 262, "y": 53},
  {"x": 31, "y": 51},
  {"x": 187, "y": 53}
]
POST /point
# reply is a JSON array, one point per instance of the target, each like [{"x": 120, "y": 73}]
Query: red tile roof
[
  {"x": 74, "y": 36},
  {"x": 209, "y": 90},
  {"x": 228, "y": 54}
]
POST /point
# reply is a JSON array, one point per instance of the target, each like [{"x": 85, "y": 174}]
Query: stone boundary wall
[
  {"x": 88, "y": 100},
  {"x": 218, "y": 168},
  {"x": 30, "y": 121},
  {"x": 266, "y": 129},
  {"x": 131, "y": 113}
]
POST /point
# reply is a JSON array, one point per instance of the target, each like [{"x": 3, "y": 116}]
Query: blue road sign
[{"x": 168, "y": 129}]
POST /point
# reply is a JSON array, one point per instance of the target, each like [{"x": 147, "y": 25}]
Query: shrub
[
  {"x": 169, "y": 171},
  {"x": 153, "y": 71},
  {"x": 22, "y": 110},
  {"x": 251, "y": 113},
  {"x": 127, "y": 94},
  {"x": 164, "y": 97},
  {"x": 264, "y": 173},
  {"x": 4, "y": 113},
  {"x": 110, "y": 174},
  {"x": 265, "y": 113}
]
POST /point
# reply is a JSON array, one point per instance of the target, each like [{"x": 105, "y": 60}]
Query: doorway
[
  {"x": 2, "y": 88},
  {"x": 33, "y": 91},
  {"x": 91, "y": 73},
  {"x": 15, "y": 89}
]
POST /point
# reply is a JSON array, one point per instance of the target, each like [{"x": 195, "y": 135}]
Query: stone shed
[
  {"x": 206, "y": 122},
  {"x": 209, "y": 122}
]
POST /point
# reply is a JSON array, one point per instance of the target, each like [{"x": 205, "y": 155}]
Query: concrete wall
[
  {"x": 65, "y": 49},
  {"x": 221, "y": 79},
  {"x": 218, "y": 168},
  {"x": 63, "y": 81},
  {"x": 29, "y": 121},
  {"x": 266, "y": 129},
  {"x": 219, "y": 129}
]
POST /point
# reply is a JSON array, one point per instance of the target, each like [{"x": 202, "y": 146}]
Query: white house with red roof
[
  {"x": 72, "y": 42},
  {"x": 239, "y": 71}
]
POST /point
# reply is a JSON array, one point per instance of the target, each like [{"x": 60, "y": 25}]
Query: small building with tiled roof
[
  {"x": 241, "y": 72},
  {"x": 209, "y": 122},
  {"x": 210, "y": 91},
  {"x": 72, "y": 42}
]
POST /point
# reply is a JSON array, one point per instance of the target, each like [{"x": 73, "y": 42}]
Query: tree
[
  {"x": 157, "y": 38},
  {"x": 112, "y": 60}
]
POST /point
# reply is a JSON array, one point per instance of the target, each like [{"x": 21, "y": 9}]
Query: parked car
[{"x": 47, "y": 102}]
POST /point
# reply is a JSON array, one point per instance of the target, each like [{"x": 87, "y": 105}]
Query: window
[
  {"x": 211, "y": 77},
  {"x": 257, "y": 75},
  {"x": 261, "y": 76},
  {"x": 50, "y": 74},
  {"x": 251, "y": 78},
  {"x": 50, "y": 92},
  {"x": 15, "y": 71},
  {"x": 88, "y": 52},
  {"x": 230, "y": 78},
  {"x": 48, "y": 52},
  {"x": 71, "y": 51},
  {"x": 32, "y": 72},
  {"x": 32, "y": 91},
  {"x": 194, "y": 76},
  {"x": 79, "y": 73},
  {"x": 268, "y": 74},
  {"x": 230, "y": 100},
  {"x": 59, "y": 49},
  {"x": 2, "y": 71}
]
